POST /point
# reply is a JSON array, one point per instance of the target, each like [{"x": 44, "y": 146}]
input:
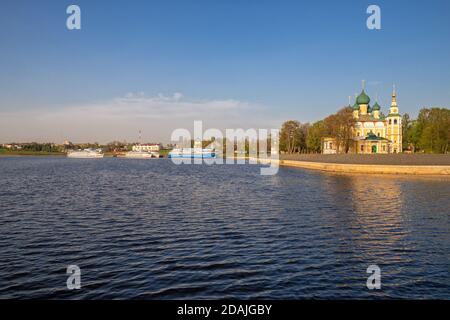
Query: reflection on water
[
  {"x": 387, "y": 216},
  {"x": 150, "y": 229}
]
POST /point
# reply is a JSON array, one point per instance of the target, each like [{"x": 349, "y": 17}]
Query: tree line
[
  {"x": 296, "y": 137},
  {"x": 429, "y": 133}
]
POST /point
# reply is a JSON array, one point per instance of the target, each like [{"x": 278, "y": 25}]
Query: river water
[{"x": 149, "y": 229}]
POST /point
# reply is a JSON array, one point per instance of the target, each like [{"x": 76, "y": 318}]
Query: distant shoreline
[
  {"x": 394, "y": 164},
  {"x": 18, "y": 153}
]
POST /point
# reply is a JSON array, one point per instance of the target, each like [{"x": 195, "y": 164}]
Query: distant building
[
  {"x": 11, "y": 146},
  {"x": 198, "y": 144},
  {"x": 147, "y": 147},
  {"x": 329, "y": 145},
  {"x": 67, "y": 144},
  {"x": 373, "y": 132}
]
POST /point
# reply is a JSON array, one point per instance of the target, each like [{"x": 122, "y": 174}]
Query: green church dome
[
  {"x": 376, "y": 106},
  {"x": 355, "y": 106},
  {"x": 363, "y": 98}
]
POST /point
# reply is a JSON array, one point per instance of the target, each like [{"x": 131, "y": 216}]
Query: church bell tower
[{"x": 394, "y": 125}]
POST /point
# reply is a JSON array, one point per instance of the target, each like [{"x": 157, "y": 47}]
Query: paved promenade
[{"x": 376, "y": 159}]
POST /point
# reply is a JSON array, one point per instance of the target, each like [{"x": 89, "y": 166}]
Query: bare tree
[{"x": 340, "y": 126}]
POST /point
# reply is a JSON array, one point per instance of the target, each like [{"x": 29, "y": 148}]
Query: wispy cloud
[{"x": 121, "y": 118}]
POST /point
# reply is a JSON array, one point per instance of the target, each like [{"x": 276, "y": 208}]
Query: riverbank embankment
[{"x": 408, "y": 164}]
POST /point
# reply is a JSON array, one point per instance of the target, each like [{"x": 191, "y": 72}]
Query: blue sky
[{"x": 258, "y": 61}]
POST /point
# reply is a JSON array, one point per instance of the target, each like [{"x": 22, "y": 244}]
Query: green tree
[
  {"x": 408, "y": 127},
  {"x": 289, "y": 135},
  {"x": 432, "y": 130},
  {"x": 293, "y": 136},
  {"x": 314, "y": 139}
]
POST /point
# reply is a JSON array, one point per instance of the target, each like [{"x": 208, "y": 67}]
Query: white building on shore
[{"x": 147, "y": 147}]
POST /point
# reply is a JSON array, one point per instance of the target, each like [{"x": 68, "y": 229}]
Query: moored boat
[
  {"x": 85, "y": 154},
  {"x": 192, "y": 153},
  {"x": 138, "y": 155}
]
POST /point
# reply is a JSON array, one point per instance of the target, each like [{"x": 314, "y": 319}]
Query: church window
[
  {"x": 378, "y": 134},
  {"x": 362, "y": 148},
  {"x": 390, "y": 121},
  {"x": 395, "y": 121}
]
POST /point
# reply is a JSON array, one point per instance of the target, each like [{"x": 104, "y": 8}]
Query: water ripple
[{"x": 153, "y": 230}]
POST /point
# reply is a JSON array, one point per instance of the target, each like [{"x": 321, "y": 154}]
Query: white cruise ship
[
  {"x": 196, "y": 152},
  {"x": 192, "y": 153},
  {"x": 85, "y": 154},
  {"x": 138, "y": 155}
]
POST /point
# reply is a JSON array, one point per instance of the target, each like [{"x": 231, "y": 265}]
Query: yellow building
[{"x": 372, "y": 132}]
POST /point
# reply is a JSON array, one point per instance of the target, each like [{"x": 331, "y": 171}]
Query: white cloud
[{"x": 122, "y": 118}]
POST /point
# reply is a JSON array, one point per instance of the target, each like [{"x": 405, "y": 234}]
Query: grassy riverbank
[{"x": 5, "y": 152}]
